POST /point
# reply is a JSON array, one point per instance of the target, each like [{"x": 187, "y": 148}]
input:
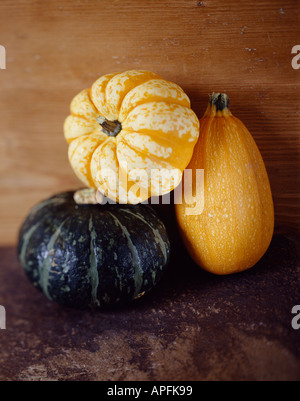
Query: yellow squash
[
  {"x": 235, "y": 223},
  {"x": 131, "y": 135}
]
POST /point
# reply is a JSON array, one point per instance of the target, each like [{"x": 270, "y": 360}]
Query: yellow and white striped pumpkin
[{"x": 131, "y": 135}]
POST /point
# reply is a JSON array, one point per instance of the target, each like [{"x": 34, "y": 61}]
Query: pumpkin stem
[
  {"x": 88, "y": 196},
  {"x": 110, "y": 128},
  {"x": 219, "y": 100}
]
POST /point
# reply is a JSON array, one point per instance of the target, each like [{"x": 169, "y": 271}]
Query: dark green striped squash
[{"x": 92, "y": 255}]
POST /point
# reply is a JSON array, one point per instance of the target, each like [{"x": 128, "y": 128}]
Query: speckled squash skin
[
  {"x": 144, "y": 155},
  {"x": 234, "y": 227},
  {"x": 92, "y": 255}
]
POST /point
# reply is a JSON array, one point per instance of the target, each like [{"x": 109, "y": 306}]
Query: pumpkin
[
  {"x": 131, "y": 135},
  {"x": 92, "y": 255},
  {"x": 235, "y": 220}
]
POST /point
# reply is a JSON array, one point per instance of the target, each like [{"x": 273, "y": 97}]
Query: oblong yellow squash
[
  {"x": 127, "y": 133},
  {"x": 234, "y": 228}
]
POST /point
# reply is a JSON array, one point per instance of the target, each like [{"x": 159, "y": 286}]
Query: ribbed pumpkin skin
[
  {"x": 236, "y": 226},
  {"x": 157, "y": 123},
  {"x": 94, "y": 255}
]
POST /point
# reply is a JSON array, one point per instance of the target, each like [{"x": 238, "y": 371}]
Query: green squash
[{"x": 92, "y": 255}]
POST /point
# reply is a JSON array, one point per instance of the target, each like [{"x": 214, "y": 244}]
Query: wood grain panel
[{"x": 56, "y": 48}]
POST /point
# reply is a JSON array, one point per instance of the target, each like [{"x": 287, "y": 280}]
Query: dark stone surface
[{"x": 193, "y": 326}]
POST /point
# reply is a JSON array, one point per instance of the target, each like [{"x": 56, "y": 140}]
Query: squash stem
[
  {"x": 219, "y": 100},
  {"x": 110, "y": 128},
  {"x": 88, "y": 196}
]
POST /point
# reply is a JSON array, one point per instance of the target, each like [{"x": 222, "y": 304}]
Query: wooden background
[{"x": 56, "y": 48}]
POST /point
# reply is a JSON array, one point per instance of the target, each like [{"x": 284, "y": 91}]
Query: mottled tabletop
[{"x": 192, "y": 326}]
